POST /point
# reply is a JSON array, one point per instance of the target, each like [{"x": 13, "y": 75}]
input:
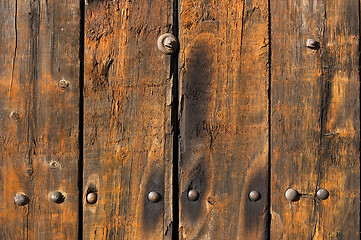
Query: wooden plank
[
  {"x": 315, "y": 128},
  {"x": 223, "y": 118},
  {"x": 39, "y": 48},
  {"x": 295, "y": 123},
  {"x": 127, "y": 120}
]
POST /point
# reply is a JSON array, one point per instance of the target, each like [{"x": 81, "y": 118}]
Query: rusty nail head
[
  {"x": 193, "y": 195},
  {"x": 167, "y": 43},
  {"x": 63, "y": 84},
  {"x": 21, "y": 200},
  {"x": 56, "y": 197},
  {"x": 313, "y": 44},
  {"x": 291, "y": 194},
  {"x": 322, "y": 194},
  {"x": 91, "y": 198},
  {"x": 254, "y": 195},
  {"x": 154, "y": 197},
  {"x": 14, "y": 116}
]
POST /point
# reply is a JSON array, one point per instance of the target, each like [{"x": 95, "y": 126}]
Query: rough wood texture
[
  {"x": 315, "y": 119},
  {"x": 224, "y": 118},
  {"x": 127, "y": 120},
  {"x": 227, "y": 109},
  {"x": 39, "y": 47}
]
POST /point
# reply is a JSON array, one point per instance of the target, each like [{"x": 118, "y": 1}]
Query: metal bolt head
[
  {"x": 167, "y": 43},
  {"x": 21, "y": 200},
  {"x": 254, "y": 195},
  {"x": 193, "y": 195},
  {"x": 56, "y": 197},
  {"x": 15, "y": 116},
  {"x": 292, "y": 195},
  {"x": 63, "y": 84},
  {"x": 313, "y": 44},
  {"x": 154, "y": 197},
  {"x": 322, "y": 194},
  {"x": 91, "y": 198}
]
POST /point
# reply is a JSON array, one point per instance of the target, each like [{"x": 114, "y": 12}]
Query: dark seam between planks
[
  {"x": 175, "y": 124},
  {"x": 81, "y": 118}
]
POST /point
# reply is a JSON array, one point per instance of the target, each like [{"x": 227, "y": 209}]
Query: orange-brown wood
[
  {"x": 128, "y": 136},
  {"x": 39, "y": 62},
  {"x": 224, "y": 118},
  {"x": 315, "y": 128},
  {"x": 257, "y": 110}
]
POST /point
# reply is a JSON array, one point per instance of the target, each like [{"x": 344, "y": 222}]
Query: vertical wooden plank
[
  {"x": 39, "y": 49},
  {"x": 315, "y": 126},
  {"x": 127, "y": 120},
  {"x": 296, "y": 78},
  {"x": 223, "y": 119},
  {"x": 339, "y": 166}
]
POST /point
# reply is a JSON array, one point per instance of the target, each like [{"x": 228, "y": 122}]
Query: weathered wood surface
[
  {"x": 39, "y": 47},
  {"x": 223, "y": 118},
  {"x": 128, "y": 137},
  {"x": 315, "y": 119},
  {"x": 228, "y": 102}
]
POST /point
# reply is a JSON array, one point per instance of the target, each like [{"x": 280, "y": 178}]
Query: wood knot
[{"x": 29, "y": 171}]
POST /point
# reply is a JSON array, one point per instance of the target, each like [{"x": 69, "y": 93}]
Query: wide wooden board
[
  {"x": 223, "y": 113},
  {"x": 315, "y": 119},
  {"x": 39, "y": 118},
  {"x": 128, "y": 136}
]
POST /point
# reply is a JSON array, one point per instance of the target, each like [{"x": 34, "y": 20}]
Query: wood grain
[
  {"x": 223, "y": 118},
  {"x": 236, "y": 86},
  {"x": 315, "y": 128},
  {"x": 128, "y": 136},
  {"x": 39, "y": 47}
]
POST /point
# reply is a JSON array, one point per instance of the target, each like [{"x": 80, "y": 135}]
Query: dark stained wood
[
  {"x": 223, "y": 118},
  {"x": 39, "y": 47},
  {"x": 315, "y": 117},
  {"x": 128, "y": 136}
]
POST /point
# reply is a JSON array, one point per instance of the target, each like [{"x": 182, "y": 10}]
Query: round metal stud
[
  {"x": 56, "y": 197},
  {"x": 154, "y": 197},
  {"x": 193, "y": 195},
  {"x": 313, "y": 44},
  {"x": 322, "y": 194},
  {"x": 292, "y": 195},
  {"x": 63, "y": 84},
  {"x": 91, "y": 198},
  {"x": 21, "y": 200},
  {"x": 167, "y": 43},
  {"x": 15, "y": 116},
  {"x": 254, "y": 195}
]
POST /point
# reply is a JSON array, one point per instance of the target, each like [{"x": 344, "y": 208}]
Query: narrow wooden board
[
  {"x": 315, "y": 127},
  {"x": 39, "y": 48},
  {"x": 223, "y": 118},
  {"x": 128, "y": 136}
]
